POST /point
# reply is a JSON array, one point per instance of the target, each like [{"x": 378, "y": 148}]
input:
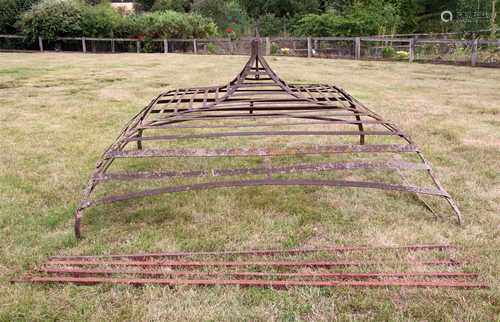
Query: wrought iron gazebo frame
[{"x": 257, "y": 98}]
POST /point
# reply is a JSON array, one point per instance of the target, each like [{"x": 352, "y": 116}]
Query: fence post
[
  {"x": 309, "y": 47},
  {"x": 138, "y": 45},
  {"x": 112, "y": 45},
  {"x": 195, "y": 50},
  {"x": 411, "y": 55},
  {"x": 473, "y": 57},
  {"x": 84, "y": 45},
  {"x": 40, "y": 44},
  {"x": 357, "y": 48},
  {"x": 268, "y": 46},
  {"x": 165, "y": 46}
]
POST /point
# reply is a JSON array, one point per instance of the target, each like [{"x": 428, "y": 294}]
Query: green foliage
[
  {"x": 175, "y": 5},
  {"x": 274, "y": 49},
  {"x": 270, "y": 25},
  {"x": 172, "y": 24},
  {"x": 212, "y": 49},
  {"x": 143, "y": 5},
  {"x": 388, "y": 52},
  {"x": 280, "y": 8},
  {"x": 99, "y": 21},
  {"x": 377, "y": 17},
  {"x": 327, "y": 24},
  {"x": 52, "y": 18},
  {"x": 474, "y": 15},
  {"x": 229, "y": 16},
  {"x": 55, "y": 18},
  {"x": 128, "y": 26},
  {"x": 10, "y": 11}
]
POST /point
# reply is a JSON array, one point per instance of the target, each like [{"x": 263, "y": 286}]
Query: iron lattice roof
[{"x": 257, "y": 130}]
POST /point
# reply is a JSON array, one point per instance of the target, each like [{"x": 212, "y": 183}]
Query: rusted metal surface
[
  {"x": 204, "y": 126},
  {"x": 374, "y": 275},
  {"x": 269, "y": 269},
  {"x": 279, "y": 264},
  {"x": 263, "y": 252},
  {"x": 278, "y": 284}
]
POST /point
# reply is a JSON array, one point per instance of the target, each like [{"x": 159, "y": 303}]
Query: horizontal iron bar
[
  {"x": 266, "y": 252},
  {"x": 256, "y": 118},
  {"x": 255, "y": 100},
  {"x": 325, "y": 122},
  {"x": 242, "y": 152},
  {"x": 342, "y": 276},
  {"x": 172, "y": 118},
  {"x": 262, "y": 170},
  {"x": 270, "y": 182},
  {"x": 261, "y": 133},
  {"x": 252, "y": 283},
  {"x": 247, "y": 107},
  {"x": 324, "y": 264}
]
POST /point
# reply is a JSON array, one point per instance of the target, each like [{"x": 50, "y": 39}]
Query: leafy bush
[
  {"x": 10, "y": 11},
  {"x": 52, "y": 18},
  {"x": 228, "y": 15},
  {"x": 270, "y": 25},
  {"x": 280, "y": 8},
  {"x": 175, "y": 5},
  {"x": 328, "y": 24},
  {"x": 211, "y": 48},
  {"x": 129, "y": 26},
  {"x": 388, "y": 52},
  {"x": 172, "y": 24},
  {"x": 99, "y": 21},
  {"x": 360, "y": 19},
  {"x": 143, "y": 5},
  {"x": 376, "y": 17},
  {"x": 274, "y": 48}
]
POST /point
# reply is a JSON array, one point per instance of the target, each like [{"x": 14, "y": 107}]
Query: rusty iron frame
[
  {"x": 158, "y": 269},
  {"x": 258, "y": 98}
]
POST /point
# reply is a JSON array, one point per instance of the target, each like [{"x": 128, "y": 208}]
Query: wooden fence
[{"x": 467, "y": 52}]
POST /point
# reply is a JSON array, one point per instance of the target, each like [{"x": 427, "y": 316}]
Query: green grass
[{"x": 60, "y": 111}]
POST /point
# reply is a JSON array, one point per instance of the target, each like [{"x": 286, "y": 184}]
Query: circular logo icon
[{"x": 446, "y": 16}]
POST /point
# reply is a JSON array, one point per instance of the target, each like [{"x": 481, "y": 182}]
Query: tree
[
  {"x": 270, "y": 25},
  {"x": 143, "y": 5},
  {"x": 175, "y": 5},
  {"x": 228, "y": 15},
  {"x": 280, "y": 8},
  {"x": 324, "y": 25},
  {"x": 52, "y": 18},
  {"x": 10, "y": 12},
  {"x": 376, "y": 17},
  {"x": 99, "y": 20}
]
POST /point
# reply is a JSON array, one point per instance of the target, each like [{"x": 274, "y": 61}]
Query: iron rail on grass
[
  {"x": 177, "y": 125},
  {"x": 151, "y": 269},
  {"x": 277, "y": 284}
]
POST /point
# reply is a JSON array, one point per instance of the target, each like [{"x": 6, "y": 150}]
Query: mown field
[{"x": 58, "y": 112}]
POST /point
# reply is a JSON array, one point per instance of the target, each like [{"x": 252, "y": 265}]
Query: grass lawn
[{"x": 60, "y": 111}]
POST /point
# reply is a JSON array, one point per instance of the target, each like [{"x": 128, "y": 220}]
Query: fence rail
[{"x": 474, "y": 52}]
